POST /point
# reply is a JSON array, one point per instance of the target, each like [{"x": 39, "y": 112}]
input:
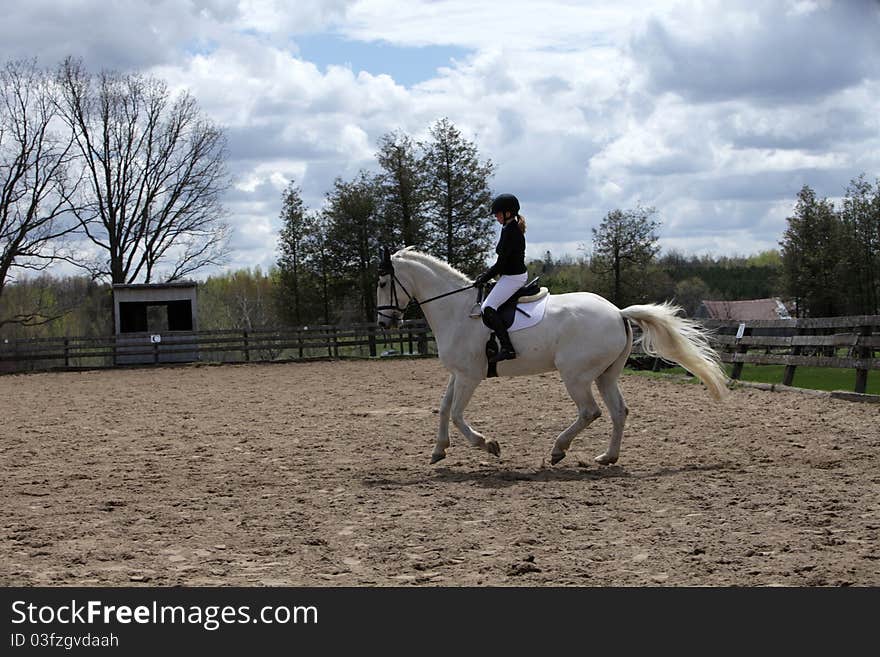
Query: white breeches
[{"x": 504, "y": 289}]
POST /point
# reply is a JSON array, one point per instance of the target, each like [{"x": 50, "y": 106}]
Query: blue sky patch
[{"x": 407, "y": 65}]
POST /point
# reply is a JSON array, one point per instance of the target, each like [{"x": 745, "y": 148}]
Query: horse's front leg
[
  {"x": 442, "y": 442},
  {"x": 463, "y": 391}
]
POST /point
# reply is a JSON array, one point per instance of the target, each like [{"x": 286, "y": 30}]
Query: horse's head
[{"x": 391, "y": 297}]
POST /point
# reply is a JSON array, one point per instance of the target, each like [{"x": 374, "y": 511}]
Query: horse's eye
[{"x": 383, "y": 284}]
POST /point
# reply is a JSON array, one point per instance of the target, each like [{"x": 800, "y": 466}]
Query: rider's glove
[{"x": 482, "y": 279}]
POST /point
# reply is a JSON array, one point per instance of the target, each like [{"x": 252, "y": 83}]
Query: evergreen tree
[
  {"x": 458, "y": 184},
  {"x": 860, "y": 217},
  {"x": 403, "y": 190},
  {"x": 811, "y": 256},
  {"x": 355, "y": 235},
  {"x": 319, "y": 267},
  {"x": 296, "y": 225}
]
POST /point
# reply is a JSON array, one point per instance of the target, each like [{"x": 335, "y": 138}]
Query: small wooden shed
[{"x": 155, "y": 323}]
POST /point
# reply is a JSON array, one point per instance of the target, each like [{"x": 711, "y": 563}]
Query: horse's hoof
[
  {"x": 493, "y": 448},
  {"x": 556, "y": 458},
  {"x": 437, "y": 457},
  {"x": 604, "y": 459}
]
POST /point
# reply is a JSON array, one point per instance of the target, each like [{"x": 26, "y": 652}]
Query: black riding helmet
[{"x": 505, "y": 203}]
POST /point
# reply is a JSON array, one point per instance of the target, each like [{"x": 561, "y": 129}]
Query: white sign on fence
[
  {"x": 740, "y": 331},
  {"x": 155, "y": 339}
]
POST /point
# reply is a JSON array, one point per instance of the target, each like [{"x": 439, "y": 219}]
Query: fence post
[
  {"x": 423, "y": 342},
  {"x": 788, "y": 374},
  {"x": 66, "y": 353},
  {"x": 863, "y": 352},
  {"x": 371, "y": 339},
  {"x": 736, "y": 372},
  {"x": 155, "y": 353},
  {"x": 247, "y": 346}
]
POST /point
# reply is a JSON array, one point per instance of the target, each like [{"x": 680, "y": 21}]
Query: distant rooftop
[
  {"x": 772, "y": 308},
  {"x": 154, "y": 286}
]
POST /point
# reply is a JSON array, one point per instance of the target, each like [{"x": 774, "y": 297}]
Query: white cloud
[{"x": 716, "y": 113}]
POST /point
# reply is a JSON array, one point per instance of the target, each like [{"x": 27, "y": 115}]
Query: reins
[{"x": 388, "y": 268}]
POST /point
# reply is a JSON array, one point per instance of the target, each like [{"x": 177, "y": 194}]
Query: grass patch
[{"x": 813, "y": 378}]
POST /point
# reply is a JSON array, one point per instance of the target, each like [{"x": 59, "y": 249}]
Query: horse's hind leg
[
  {"x": 578, "y": 387},
  {"x": 442, "y": 441},
  {"x": 611, "y": 395}
]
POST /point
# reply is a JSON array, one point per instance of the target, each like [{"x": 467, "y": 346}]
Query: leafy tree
[
  {"x": 35, "y": 182},
  {"x": 67, "y": 306},
  {"x": 561, "y": 275},
  {"x": 770, "y": 258},
  {"x": 458, "y": 184},
  {"x": 811, "y": 256},
  {"x": 728, "y": 278},
  {"x": 690, "y": 294},
  {"x": 154, "y": 172},
  {"x": 241, "y": 299},
  {"x": 624, "y": 244}
]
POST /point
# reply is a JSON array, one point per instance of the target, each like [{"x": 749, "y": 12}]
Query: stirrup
[
  {"x": 476, "y": 311},
  {"x": 503, "y": 354}
]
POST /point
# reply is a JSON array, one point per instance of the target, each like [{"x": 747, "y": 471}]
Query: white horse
[{"x": 583, "y": 336}]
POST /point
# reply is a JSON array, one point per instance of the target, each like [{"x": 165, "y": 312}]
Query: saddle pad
[
  {"x": 535, "y": 309},
  {"x": 543, "y": 292}
]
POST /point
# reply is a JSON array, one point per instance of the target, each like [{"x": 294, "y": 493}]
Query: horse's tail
[{"x": 668, "y": 336}]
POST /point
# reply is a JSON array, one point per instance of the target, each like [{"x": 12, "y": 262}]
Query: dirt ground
[{"x": 317, "y": 474}]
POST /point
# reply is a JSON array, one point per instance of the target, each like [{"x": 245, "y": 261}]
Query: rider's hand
[{"x": 482, "y": 279}]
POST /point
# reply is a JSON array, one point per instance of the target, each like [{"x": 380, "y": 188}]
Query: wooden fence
[
  {"x": 838, "y": 342},
  {"x": 834, "y": 342},
  {"x": 302, "y": 343}
]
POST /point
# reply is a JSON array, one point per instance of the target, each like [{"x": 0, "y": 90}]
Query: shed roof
[
  {"x": 771, "y": 308},
  {"x": 153, "y": 286}
]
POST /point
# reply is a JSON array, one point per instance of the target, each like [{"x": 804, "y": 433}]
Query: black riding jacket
[{"x": 511, "y": 251}]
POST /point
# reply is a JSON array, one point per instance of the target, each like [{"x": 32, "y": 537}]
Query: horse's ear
[{"x": 385, "y": 266}]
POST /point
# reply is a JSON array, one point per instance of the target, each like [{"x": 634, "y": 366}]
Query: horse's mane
[{"x": 409, "y": 253}]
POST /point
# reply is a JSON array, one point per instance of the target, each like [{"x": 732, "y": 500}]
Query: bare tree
[
  {"x": 34, "y": 183},
  {"x": 154, "y": 174}
]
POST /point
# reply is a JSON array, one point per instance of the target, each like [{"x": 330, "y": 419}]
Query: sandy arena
[{"x": 317, "y": 474}]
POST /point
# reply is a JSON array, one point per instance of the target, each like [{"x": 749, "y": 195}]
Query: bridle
[{"x": 386, "y": 268}]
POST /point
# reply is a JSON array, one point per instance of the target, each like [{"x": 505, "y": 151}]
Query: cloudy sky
[{"x": 716, "y": 112}]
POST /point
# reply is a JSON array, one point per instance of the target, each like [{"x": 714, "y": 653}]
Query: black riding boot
[{"x": 493, "y": 321}]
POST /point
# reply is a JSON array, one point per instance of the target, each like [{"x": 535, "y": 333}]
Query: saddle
[{"x": 529, "y": 292}]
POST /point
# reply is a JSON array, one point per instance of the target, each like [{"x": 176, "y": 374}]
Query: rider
[{"x": 510, "y": 267}]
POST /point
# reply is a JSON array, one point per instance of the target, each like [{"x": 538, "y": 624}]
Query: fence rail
[
  {"x": 246, "y": 345},
  {"x": 829, "y": 342},
  {"x": 834, "y": 342}
]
